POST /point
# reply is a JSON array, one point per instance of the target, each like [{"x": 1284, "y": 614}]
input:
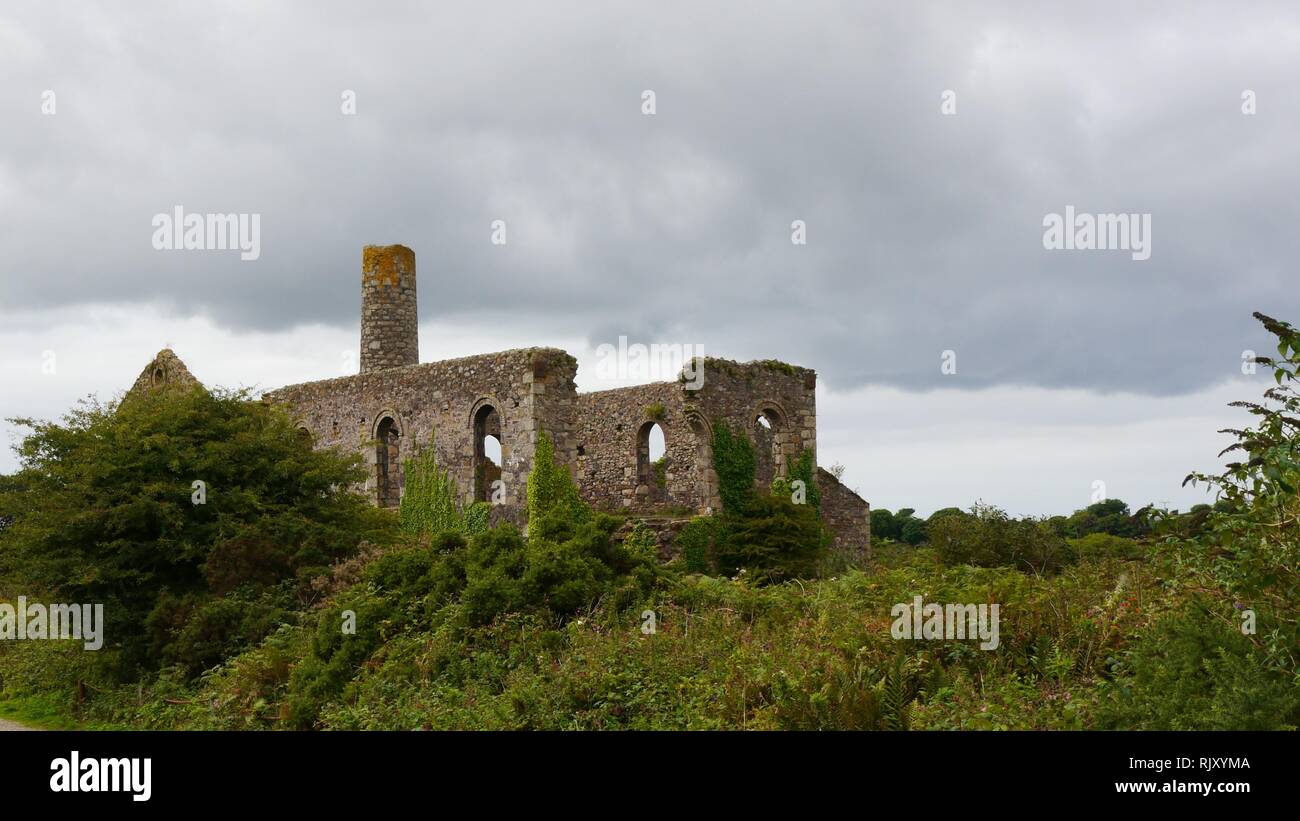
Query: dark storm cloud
[{"x": 924, "y": 231}]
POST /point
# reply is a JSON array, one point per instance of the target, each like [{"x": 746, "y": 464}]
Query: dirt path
[{"x": 7, "y": 725}]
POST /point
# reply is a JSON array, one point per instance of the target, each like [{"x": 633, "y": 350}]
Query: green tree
[
  {"x": 883, "y": 525},
  {"x": 945, "y": 511},
  {"x": 158, "y": 503},
  {"x": 1110, "y": 516},
  {"x": 773, "y": 540}
]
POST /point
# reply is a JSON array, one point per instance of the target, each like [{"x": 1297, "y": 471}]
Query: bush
[
  {"x": 1106, "y": 546},
  {"x": 991, "y": 538},
  {"x": 1197, "y": 671},
  {"x": 563, "y": 569},
  {"x": 102, "y": 511},
  {"x": 773, "y": 540}
]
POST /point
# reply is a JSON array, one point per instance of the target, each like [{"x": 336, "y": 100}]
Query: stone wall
[
  {"x": 781, "y": 394},
  {"x": 846, "y": 514},
  {"x": 165, "y": 369},
  {"x": 395, "y": 407},
  {"x": 611, "y": 451},
  {"x": 441, "y": 401}
]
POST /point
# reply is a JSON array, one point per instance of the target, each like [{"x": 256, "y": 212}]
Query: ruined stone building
[{"x": 397, "y": 405}]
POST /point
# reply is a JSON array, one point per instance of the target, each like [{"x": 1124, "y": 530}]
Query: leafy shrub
[
  {"x": 775, "y": 539},
  {"x": 1106, "y": 546},
  {"x": 102, "y": 511},
  {"x": 989, "y": 538}
]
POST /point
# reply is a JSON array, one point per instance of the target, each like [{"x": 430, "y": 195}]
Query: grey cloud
[{"x": 924, "y": 231}]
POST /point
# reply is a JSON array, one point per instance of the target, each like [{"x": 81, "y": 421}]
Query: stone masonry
[
  {"x": 390, "y": 321},
  {"x": 397, "y": 406}
]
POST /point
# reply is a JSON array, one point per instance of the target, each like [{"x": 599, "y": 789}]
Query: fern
[{"x": 896, "y": 691}]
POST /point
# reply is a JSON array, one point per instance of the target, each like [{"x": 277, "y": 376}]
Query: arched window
[
  {"x": 769, "y": 443},
  {"x": 387, "y": 463},
  {"x": 651, "y": 460},
  {"x": 488, "y": 452}
]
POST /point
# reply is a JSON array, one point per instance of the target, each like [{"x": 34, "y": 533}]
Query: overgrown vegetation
[
  {"x": 198, "y": 519},
  {"x": 1111, "y": 619},
  {"x": 430, "y": 503},
  {"x": 733, "y": 461}
]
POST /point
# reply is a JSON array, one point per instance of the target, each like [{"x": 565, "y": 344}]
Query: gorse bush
[
  {"x": 774, "y": 539},
  {"x": 563, "y": 569},
  {"x": 1197, "y": 671}
]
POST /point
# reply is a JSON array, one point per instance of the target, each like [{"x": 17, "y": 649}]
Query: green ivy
[
  {"x": 804, "y": 470},
  {"x": 550, "y": 486},
  {"x": 477, "y": 518},
  {"x": 698, "y": 540},
  {"x": 733, "y": 460},
  {"x": 430, "y": 504}
]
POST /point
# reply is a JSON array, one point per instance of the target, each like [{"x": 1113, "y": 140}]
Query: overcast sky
[{"x": 924, "y": 229}]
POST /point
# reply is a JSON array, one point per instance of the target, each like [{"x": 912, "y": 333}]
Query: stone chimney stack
[{"x": 390, "y": 319}]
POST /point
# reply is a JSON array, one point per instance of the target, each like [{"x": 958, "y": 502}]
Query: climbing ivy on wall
[
  {"x": 802, "y": 469},
  {"x": 429, "y": 503},
  {"x": 733, "y": 460},
  {"x": 550, "y": 486}
]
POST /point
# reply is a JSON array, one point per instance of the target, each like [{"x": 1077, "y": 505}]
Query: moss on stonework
[
  {"x": 738, "y": 369},
  {"x": 379, "y": 263},
  {"x": 777, "y": 365}
]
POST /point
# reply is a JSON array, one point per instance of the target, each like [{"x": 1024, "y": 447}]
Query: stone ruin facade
[{"x": 397, "y": 406}]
